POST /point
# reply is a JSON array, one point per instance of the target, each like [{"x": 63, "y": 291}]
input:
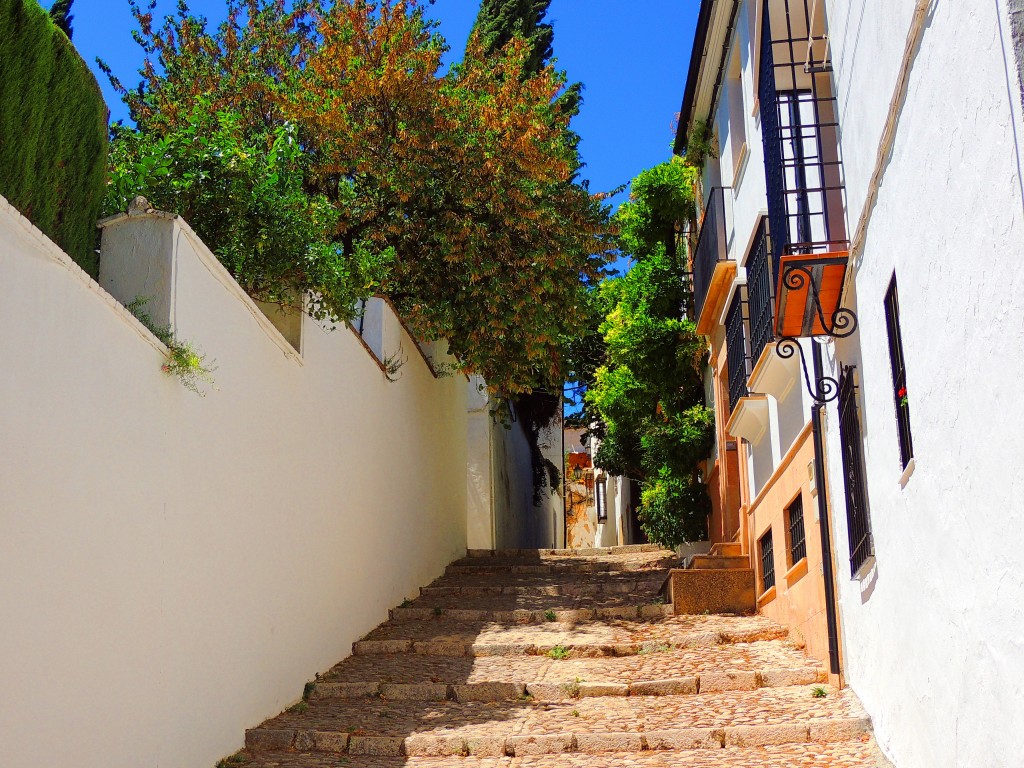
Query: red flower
[{"x": 902, "y": 392}]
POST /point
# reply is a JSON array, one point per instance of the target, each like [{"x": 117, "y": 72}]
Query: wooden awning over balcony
[{"x": 806, "y": 281}]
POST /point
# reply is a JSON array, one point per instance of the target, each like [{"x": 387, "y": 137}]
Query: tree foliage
[
  {"x": 53, "y": 130},
  {"x": 244, "y": 194},
  {"x": 643, "y": 365},
  {"x": 60, "y": 12},
  {"x": 499, "y": 21},
  {"x": 463, "y": 179}
]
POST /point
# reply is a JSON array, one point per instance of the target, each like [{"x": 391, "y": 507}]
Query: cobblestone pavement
[{"x": 560, "y": 666}]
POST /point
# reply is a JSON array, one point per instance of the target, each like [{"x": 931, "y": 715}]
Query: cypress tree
[
  {"x": 500, "y": 20},
  {"x": 60, "y": 12}
]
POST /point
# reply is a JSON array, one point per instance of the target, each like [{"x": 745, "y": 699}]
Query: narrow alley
[{"x": 558, "y": 659}]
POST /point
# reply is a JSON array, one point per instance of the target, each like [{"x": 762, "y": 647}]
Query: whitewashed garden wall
[{"x": 173, "y": 567}]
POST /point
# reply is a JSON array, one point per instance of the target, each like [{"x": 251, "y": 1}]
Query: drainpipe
[{"x": 820, "y": 482}]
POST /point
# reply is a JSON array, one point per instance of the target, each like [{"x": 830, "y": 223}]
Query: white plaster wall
[
  {"x": 173, "y": 568},
  {"x": 749, "y": 183},
  {"x": 608, "y": 531},
  {"x": 517, "y": 524},
  {"x": 479, "y": 482},
  {"x": 934, "y": 635}
]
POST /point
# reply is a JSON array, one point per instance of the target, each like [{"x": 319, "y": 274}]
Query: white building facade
[
  {"x": 865, "y": 216},
  {"x": 933, "y": 603}
]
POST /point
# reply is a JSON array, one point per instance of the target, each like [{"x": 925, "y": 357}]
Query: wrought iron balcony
[
  {"x": 803, "y": 173},
  {"x": 760, "y": 292},
  {"x": 736, "y": 349},
  {"x": 712, "y": 269}
]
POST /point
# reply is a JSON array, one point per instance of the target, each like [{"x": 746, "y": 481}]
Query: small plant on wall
[{"x": 184, "y": 360}]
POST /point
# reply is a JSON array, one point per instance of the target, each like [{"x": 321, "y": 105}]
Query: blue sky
[{"x": 631, "y": 56}]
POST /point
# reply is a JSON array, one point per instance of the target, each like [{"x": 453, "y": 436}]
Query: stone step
[
  {"x": 662, "y": 671},
  {"x": 588, "y": 725},
  {"x": 712, "y": 591},
  {"x": 425, "y": 612},
  {"x": 644, "y": 583},
  {"x": 850, "y": 754},
  {"x": 628, "y": 549},
  {"x": 444, "y": 636},
  {"x": 727, "y": 549},
  {"x": 527, "y": 608},
  {"x": 719, "y": 562},
  {"x": 470, "y": 566}
]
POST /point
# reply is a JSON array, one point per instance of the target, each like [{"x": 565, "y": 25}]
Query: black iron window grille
[
  {"x": 736, "y": 349},
  {"x": 760, "y": 293},
  {"x": 858, "y": 521},
  {"x": 711, "y": 247},
  {"x": 601, "y": 500},
  {"x": 767, "y": 549},
  {"x": 800, "y": 130},
  {"x": 899, "y": 373},
  {"x": 797, "y": 536}
]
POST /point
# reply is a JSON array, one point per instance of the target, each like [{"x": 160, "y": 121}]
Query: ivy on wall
[{"x": 53, "y": 124}]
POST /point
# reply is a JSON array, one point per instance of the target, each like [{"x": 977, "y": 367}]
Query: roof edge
[{"x": 696, "y": 60}]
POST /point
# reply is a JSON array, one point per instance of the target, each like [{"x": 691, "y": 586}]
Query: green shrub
[
  {"x": 53, "y": 124},
  {"x": 244, "y": 193}
]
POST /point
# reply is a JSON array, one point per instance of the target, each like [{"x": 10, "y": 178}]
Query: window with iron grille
[
  {"x": 899, "y": 373},
  {"x": 601, "y": 499},
  {"x": 797, "y": 538},
  {"x": 767, "y": 561},
  {"x": 858, "y": 522},
  {"x": 736, "y": 349},
  {"x": 800, "y": 130}
]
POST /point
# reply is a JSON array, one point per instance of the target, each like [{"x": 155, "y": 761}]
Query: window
[
  {"x": 767, "y": 561},
  {"x": 601, "y": 500},
  {"x": 858, "y": 522},
  {"x": 737, "y": 112},
  {"x": 795, "y": 523},
  {"x": 899, "y": 373}
]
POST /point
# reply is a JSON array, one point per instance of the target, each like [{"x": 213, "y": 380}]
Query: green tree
[
  {"x": 60, "y": 12},
  {"x": 463, "y": 178},
  {"x": 643, "y": 366},
  {"x": 499, "y": 21},
  {"x": 244, "y": 193}
]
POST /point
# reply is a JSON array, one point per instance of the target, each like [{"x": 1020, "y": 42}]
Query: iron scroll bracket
[
  {"x": 825, "y": 388},
  {"x": 843, "y": 324},
  {"x": 844, "y": 321}
]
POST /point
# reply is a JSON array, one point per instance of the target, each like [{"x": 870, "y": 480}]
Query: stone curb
[
  {"x": 522, "y": 616},
  {"x": 627, "y": 549},
  {"x": 584, "y": 650},
  {"x": 582, "y": 589},
  {"x": 847, "y": 729},
  {"x": 708, "y": 682},
  {"x": 567, "y": 569}
]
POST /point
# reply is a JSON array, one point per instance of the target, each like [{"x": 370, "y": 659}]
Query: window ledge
[
  {"x": 741, "y": 166},
  {"x": 768, "y": 595},
  {"x": 866, "y": 570},
  {"x": 905, "y": 477},
  {"x": 797, "y": 572}
]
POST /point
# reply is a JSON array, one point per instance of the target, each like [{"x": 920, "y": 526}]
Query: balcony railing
[
  {"x": 736, "y": 350},
  {"x": 711, "y": 247},
  {"x": 800, "y": 131},
  {"x": 760, "y": 292}
]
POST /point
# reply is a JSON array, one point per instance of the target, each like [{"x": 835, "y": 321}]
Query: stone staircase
[{"x": 566, "y": 659}]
